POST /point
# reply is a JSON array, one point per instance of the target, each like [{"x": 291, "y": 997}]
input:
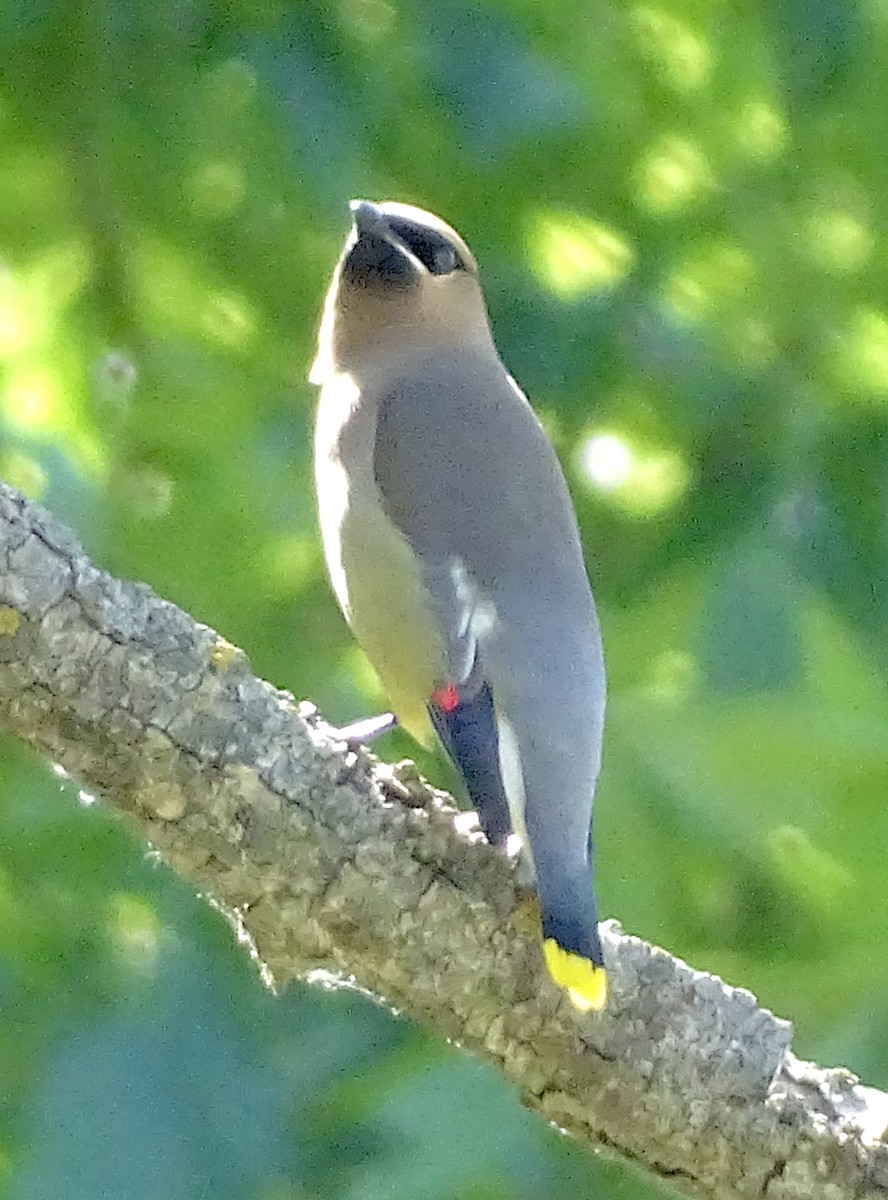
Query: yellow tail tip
[{"x": 584, "y": 982}]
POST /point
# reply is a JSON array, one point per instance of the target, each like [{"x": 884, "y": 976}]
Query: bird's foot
[{"x": 359, "y": 733}]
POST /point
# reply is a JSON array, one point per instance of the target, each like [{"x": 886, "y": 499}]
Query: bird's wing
[{"x": 432, "y": 492}]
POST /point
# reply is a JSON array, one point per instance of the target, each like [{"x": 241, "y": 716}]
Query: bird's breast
[{"x": 375, "y": 573}]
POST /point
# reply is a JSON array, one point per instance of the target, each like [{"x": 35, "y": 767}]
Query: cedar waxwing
[{"x": 454, "y": 552}]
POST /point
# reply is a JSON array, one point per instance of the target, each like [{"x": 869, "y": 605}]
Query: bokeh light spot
[
  {"x": 673, "y": 675},
  {"x": 290, "y": 563},
  {"x": 573, "y": 256},
  {"x": 814, "y": 875},
  {"x": 18, "y": 329},
  {"x": 687, "y": 296},
  {"x": 228, "y": 318},
  {"x": 33, "y": 181},
  {"x": 683, "y": 55},
  {"x": 837, "y": 241},
  {"x": 216, "y": 189},
  {"x": 861, "y": 359},
  {"x": 607, "y": 461},
  {"x": 233, "y": 84},
  {"x": 710, "y": 277},
  {"x": 31, "y": 399},
  {"x": 751, "y": 341},
  {"x": 370, "y": 19},
  {"x": 760, "y": 131},
  {"x": 59, "y": 273},
  {"x": 672, "y": 175},
  {"x": 134, "y": 931},
  {"x": 717, "y": 283},
  {"x": 640, "y": 480}
]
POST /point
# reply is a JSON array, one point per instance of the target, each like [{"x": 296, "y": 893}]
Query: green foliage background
[{"x": 679, "y": 209}]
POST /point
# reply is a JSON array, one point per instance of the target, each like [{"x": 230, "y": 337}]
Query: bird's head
[{"x": 405, "y": 281}]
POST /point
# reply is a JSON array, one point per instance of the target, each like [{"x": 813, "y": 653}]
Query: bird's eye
[
  {"x": 444, "y": 260},
  {"x": 436, "y": 253}
]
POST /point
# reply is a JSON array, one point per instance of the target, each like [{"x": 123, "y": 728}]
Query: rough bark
[{"x": 330, "y": 861}]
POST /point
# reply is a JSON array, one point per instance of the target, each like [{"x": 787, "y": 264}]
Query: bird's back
[{"x": 465, "y": 471}]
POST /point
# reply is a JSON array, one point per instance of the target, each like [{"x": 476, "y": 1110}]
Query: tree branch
[{"x": 328, "y": 860}]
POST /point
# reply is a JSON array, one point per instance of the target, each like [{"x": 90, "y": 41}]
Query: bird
[{"x": 453, "y": 549}]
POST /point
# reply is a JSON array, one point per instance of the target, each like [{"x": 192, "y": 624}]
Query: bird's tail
[
  {"x": 472, "y": 733},
  {"x": 574, "y": 959}
]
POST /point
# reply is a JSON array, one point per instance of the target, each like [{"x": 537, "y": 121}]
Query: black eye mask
[
  {"x": 373, "y": 260},
  {"x": 436, "y": 252}
]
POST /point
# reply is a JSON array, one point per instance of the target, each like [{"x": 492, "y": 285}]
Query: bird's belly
[{"x": 389, "y": 610}]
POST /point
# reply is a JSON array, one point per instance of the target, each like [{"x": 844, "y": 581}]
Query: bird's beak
[{"x": 367, "y": 217}]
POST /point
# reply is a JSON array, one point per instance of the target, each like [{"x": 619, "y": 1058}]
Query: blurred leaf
[
  {"x": 749, "y": 636},
  {"x": 817, "y": 41}
]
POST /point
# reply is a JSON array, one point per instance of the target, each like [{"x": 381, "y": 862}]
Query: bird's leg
[
  {"x": 359, "y": 733},
  {"x": 524, "y": 874}
]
